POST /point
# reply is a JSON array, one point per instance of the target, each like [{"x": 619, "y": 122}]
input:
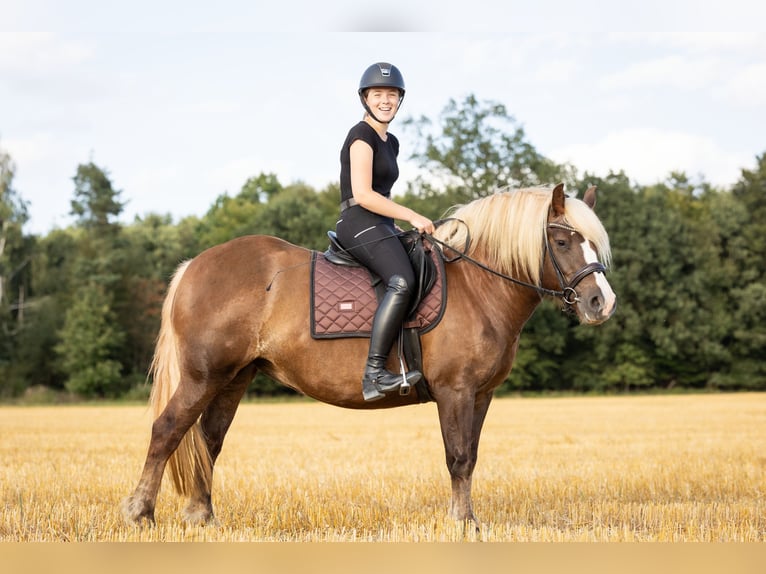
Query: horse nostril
[{"x": 597, "y": 303}]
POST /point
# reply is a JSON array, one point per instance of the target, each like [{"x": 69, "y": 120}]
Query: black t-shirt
[{"x": 385, "y": 170}]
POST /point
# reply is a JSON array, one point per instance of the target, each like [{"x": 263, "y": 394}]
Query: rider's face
[{"x": 383, "y": 102}]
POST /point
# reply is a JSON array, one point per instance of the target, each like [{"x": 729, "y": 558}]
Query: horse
[{"x": 242, "y": 307}]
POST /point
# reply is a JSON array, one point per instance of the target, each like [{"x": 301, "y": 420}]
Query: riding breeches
[{"x": 373, "y": 240}]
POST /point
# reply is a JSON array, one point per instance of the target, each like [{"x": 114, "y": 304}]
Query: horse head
[{"x": 572, "y": 263}]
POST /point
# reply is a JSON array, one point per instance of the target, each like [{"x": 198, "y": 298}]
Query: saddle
[{"x": 345, "y": 295}]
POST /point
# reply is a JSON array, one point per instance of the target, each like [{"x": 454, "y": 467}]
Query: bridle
[{"x": 567, "y": 292}]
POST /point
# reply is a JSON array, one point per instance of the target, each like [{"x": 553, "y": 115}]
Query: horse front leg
[{"x": 461, "y": 416}]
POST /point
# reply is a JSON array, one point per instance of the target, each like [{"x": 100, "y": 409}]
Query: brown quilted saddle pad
[{"x": 343, "y": 300}]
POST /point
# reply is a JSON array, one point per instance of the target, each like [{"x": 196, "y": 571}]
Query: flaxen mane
[{"x": 507, "y": 229}]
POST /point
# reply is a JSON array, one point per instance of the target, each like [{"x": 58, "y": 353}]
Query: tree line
[{"x": 79, "y": 306}]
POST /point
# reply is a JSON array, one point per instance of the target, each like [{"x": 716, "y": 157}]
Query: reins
[
  {"x": 567, "y": 293},
  {"x": 464, "y": 255}
]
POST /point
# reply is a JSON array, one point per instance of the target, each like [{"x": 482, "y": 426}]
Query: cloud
[
  {"x": 40, "y": 52},
  {"x": 648, "y": 155},
  {"x": 43, "y": 177},
  {"x": 708, "y": 42},
  {"x": 677, "y": 71},
  {"x": 556, "y": 72},
  {"x": 729, "y": 66},
  {"x": 35, "y": 148},
  {"x": 746, "y": 86}
]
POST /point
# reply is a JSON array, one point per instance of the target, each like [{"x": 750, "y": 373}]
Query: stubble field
[{"x": 675, "y": 468}]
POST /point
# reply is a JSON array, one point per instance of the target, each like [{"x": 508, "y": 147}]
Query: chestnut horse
[{"x": 243, "y": 306}]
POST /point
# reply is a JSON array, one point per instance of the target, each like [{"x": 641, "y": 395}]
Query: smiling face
[{"x": 383, "y": 102}]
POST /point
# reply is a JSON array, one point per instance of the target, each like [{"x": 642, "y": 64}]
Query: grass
[{"x": 653, "y": 468}]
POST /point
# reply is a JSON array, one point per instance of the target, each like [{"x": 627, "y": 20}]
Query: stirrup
[
  {"x": 372, "y": 390},
  {"x": 406, "y": 386}
]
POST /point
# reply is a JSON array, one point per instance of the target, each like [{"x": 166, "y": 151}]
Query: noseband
[{"x": 566, "y": 293}]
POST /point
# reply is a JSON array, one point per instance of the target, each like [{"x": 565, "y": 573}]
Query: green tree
[
  {"x": 34, "y": 359},
  {"x": 295, "y": 213},
  {"x": 231, "y": 217},
  {"x": 750, "y": 191},
  {"x": 541, "y": 351},
  {"x": 742, "y": 217},
  {"x": 152, "y": 249},
  {"x": 671, "y": 323},
  {"x": 479, "y": 148},
  {"x": 88, "y": 342},
  {"x": 13, "y": 215},
  {"x": 227, "y": 218},
  {"x": 261, "y": 188},
  {"x": 52, "y": 278},
  {"x": 15, "y": 254},
  {"x": 96, "y": 203},
  {"x": 300, "y": 215}
]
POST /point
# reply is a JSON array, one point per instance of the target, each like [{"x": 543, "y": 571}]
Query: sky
[{"x": 180, "y": 102}]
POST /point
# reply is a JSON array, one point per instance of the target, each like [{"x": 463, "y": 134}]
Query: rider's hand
[{"x": 422, "y": 224}]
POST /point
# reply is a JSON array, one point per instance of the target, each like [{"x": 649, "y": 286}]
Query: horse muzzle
[{"x": 595, "y": 303}]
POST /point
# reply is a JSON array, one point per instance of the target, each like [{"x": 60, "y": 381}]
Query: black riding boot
[{"x": 388, "y": 320}]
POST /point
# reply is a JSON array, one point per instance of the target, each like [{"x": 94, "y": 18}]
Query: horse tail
[{"x": 191, "y": 460}]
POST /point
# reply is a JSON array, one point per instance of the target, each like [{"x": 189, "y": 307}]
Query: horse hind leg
[
  {"x": 215, "y": 422},
  {"x": 169, "y": 428}
]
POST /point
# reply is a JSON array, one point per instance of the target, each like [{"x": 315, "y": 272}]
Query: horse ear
[
  {"x": 590, "y": 197},
  {"x": 557, "y": 202}
]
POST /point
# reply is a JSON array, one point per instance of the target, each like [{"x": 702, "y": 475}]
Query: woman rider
[{"x": 366, "y": 228}]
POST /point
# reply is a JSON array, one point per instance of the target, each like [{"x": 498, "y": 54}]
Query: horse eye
[{"x": 561, "y": 243}]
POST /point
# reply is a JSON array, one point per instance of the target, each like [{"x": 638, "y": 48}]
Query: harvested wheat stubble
[{"x": 674, "y": 468}]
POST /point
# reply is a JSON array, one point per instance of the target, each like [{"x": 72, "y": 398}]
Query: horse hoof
[
  {"x": 199, "y": 516},
  {"x": 136, "y": 513}
]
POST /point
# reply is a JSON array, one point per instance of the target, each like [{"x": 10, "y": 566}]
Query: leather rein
[{"x": 567, "y": 291}]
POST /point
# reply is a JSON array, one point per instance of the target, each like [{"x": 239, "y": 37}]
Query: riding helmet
[{"x": 381, "y": 74}]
